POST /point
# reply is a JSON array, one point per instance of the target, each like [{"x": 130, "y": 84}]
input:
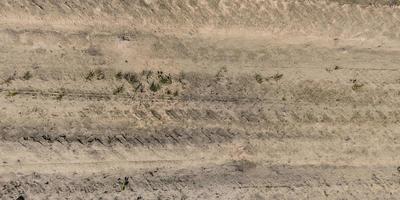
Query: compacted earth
[{"x": 199, "y": 99}]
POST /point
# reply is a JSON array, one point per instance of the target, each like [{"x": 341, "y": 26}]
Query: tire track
[{"x": 267, "y": 180}]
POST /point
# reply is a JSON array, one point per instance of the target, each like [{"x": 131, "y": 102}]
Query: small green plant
[
  {"x": 60, "y": 94},
  {"x": 131, "y": 77},
  {"x": 357, "y": 86},
  {"x": 394, "y": 3},
  {"x": 139, "y": 87},
  {"x": 100, "y": 75},
  {"x": 89, "y": 76},
  {"x": 27, "y": 75},
  {"x": 259, "y": 78},
  {"x": 221, "y": 72},
  {"x": 59, "y": 97},
  {"x": 123, "y": 183},
  {"x": 12, "y": 93},
  {"x": 95, "y": 74},
  {"x": 119, "y": 75},
  {"x": 147, "y": 73},
  {"x": 277, "y": 76},
  {"x": 118, "y": 90},
  {"x": 155, "y": 87},
  {"x": 165, "y": 79},
  {"x": 330, "y": 69}
]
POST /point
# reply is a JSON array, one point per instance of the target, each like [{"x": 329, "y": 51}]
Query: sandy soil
[{"x": 183, "y": 99}]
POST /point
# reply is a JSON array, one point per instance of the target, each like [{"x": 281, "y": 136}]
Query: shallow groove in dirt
[{"x": 240, "y": 176}]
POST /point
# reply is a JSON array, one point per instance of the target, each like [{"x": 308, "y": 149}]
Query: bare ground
[{"x": 199, "y": 99}]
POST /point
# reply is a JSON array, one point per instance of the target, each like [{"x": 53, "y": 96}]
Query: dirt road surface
[{"x": 207, "y": 99}]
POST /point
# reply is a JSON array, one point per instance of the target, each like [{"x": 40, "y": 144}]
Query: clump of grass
[
  {"x": 330, "y": 69},
  {"x": 147, "y": 73},
  {"x": 95, "y": 74},
  {"x": 118, "y": 89},
  {"x": 12, "y": 93},
  {"x": 27, "y": 75},
  {"x": 165, "y": 79},
  {"x": 176, "y": 93},
  {"x": 259, "y": 78},
  {"x": 123, "y": 183},
  {"x": 155, "y": 87},
  {"x": 394, "y": 3},
  {"x": 119, "y": 75},
  {"x": 277, "y": 76},
  {"x": 357, "y": 86},
  {"x": 60, "y": 95},
  {"x": 139, "y": 87},
  {"x": 131, "y": 78},
  {"x": 89, "y": 76},
  {"x": 221, "y": 71},
  {"x": 100, "y": 75}
]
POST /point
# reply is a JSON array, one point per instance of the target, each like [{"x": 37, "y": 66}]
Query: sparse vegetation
[
  {"x": 154, "y": 87},
  {"x": 100, "y": 75},
  {"x": 10, "y": 78},
  {"x": 89, "y": 76},
  {"x": 140, "y": 87},
  {"x": 259, "y": 78},
  {"x": 221, "y": 71},
  {"x": 118, "y": 89},
  {"x": 330, "y": 69},
  {"x": 27, "y": 75},
  {"x": 394, "y": 3},
  {"x": 165, "y": 79},
  {"x": 131, "y": 78},
  {"x": 277, "y": 76},
  {"x": 357, "y": 86},
  {"x": 95, "y": 74},
  {"x": 147, "y": 73},
  {"x": 119, "y": 75},
  {"x": 123, "y": 183},
  {"x": 60, "y": 95},
  {"x": 12, "y": 93}
]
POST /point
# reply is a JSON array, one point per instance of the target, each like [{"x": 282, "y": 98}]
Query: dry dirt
[{"x": 199, "y": 99}]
